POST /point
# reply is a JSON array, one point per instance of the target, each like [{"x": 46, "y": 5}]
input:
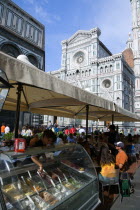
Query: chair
[{"x": 112, "y": 181}]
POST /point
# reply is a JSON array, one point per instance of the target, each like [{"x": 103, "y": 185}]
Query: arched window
[
  {"x": 101, "y": 70},
  {"x": 10, "y": 49},
  {"x": 33, "y": 60},
  {"x": 106, "y": 68},
  {"x": 111, "y": 68},
  {"x": 89, "y": 72}
]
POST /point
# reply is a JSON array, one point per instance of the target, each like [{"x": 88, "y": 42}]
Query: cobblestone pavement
[
  {"x": 112, "y": 202},
  {"x": 132, "y": 202}
]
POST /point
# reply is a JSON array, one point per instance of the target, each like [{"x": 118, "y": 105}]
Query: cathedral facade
[{"x": 88, "y": 64}]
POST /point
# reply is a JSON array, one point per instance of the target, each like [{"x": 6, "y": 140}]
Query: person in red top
[
  {"x": 73, "y": 130},
  {"x": 67, "y": 132}
]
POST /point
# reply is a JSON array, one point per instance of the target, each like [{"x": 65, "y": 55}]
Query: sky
[{"x": 63, "y": 18}]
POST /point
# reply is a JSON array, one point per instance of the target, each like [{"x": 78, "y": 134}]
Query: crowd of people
[{"x": 110, "y": 150}]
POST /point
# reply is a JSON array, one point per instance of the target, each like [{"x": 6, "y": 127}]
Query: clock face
[{"x": 80, "y": 59}]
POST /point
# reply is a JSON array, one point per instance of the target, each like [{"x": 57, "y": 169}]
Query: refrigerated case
[{"x": 68, "y": 180}]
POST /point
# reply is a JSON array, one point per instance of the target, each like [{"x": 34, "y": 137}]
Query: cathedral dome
[{"x": 129, "y": 57}]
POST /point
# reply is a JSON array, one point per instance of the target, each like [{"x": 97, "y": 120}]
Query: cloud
[
  {"x": 40, "y": 11},
  {"x": 114, "y": 20}
]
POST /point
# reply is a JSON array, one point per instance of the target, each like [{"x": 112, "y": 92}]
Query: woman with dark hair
[
  {"x": 107, "y": 163},
  {"x": 47, "y": 140}
]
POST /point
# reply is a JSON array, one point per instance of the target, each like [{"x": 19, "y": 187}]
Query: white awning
[{"x": 48, "y": 95}]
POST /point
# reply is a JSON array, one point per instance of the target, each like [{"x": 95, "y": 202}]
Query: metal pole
[
  {"x": 112, "y": 119},
  {"x": 19, "y": 90},
  {"x": 87, "y": 112}
]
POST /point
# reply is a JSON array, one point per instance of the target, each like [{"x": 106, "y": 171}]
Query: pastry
[{"x": 81, "y": 169}]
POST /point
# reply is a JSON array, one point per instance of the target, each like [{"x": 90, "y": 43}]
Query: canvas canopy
[{"x": 48, "y": 95}]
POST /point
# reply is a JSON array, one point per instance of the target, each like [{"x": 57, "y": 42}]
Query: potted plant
[{"x": 7, "y": 139}]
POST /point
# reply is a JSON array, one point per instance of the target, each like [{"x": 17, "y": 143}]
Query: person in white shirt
[
  {"x": 28, "y": 132},
  {"x": 81, "y": 130},
  {"x": 7, "y": 129}
]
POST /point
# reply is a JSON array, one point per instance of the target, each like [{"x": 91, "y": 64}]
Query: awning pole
[
  {"x": 19, "y": 90},
  {"x": 87, "y": 112},
  {"x": 112, "y": 119}
]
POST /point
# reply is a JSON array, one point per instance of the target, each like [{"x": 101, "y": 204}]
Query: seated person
[
  {"x": 121, "y": 157},
  {"x": 35, "y": 138},
  {"x": 70, "y": 138},
  {"x": 130, "y": 147},
  {"x": 107, "y": 163},
  {"x": 59, "y": 140}
]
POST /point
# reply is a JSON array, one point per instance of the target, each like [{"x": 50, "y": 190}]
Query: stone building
[
  {"x": 20, "y": 33},
  {"x": 134, "y": 44},
  {"x": 87, "y": 63}
]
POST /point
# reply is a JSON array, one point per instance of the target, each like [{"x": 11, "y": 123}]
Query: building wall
[
  {"x": 21, "y": 34},
  {"x": 135, "y": 6}
]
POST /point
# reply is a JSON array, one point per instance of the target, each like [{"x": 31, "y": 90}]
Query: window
[
  {"x": 32, "y": 33},
  {"x": 10, "y": 49},
  {"x": 40, "y": 39},
  {"x": 111, "y": 68},
  {"x": 33, "y": 60},
  {"x": 19, "y": 25},
  {"x": 118, "y": 85},
  {"x": 9, "y": 18},
  {"x": 106, "y": 68},
  {"x": 101, "y": 70},
  {"x": 118, "y": 78},
  {"x": 138, "y": 4},
  {"x": 106, "y": 83},
  {"x": 14, "y": 21},
  {"x": 27, "y": 34},
  {"x": 1, "y": 12},
  {"x": 36, "y": 35},
  {"x": 117, "y": 65}
]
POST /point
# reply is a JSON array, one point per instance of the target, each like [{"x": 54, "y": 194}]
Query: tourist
[
  {"x": 121, "y": 157},
  {"x": 81, "y": 130},
  {"x": 34, "y": 141},
  {"x": 73, "y": 130},
  {"x": 56, "y": 128},
  {"x": 3, "y": 129},
  {"x": 67, "y": 132},
  {"x": 113, "y": 137},
  {"x": 107, "y": 163},
  {"x": 70, "y": 138},
  {"x": 130, "y": 150},
  {"x": 28, "y": 132},
  {"x": 23, "y": 131},
  {"x": 59, "y": 140},
  {"x": 50, "y": 124},
  {"x": 7, "y": 129}
]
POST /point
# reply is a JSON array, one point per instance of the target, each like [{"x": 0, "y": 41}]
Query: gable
[{"x": 79, "y": 37}]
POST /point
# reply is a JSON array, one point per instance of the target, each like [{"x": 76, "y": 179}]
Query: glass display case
[{"x": 66, "y": 181}]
